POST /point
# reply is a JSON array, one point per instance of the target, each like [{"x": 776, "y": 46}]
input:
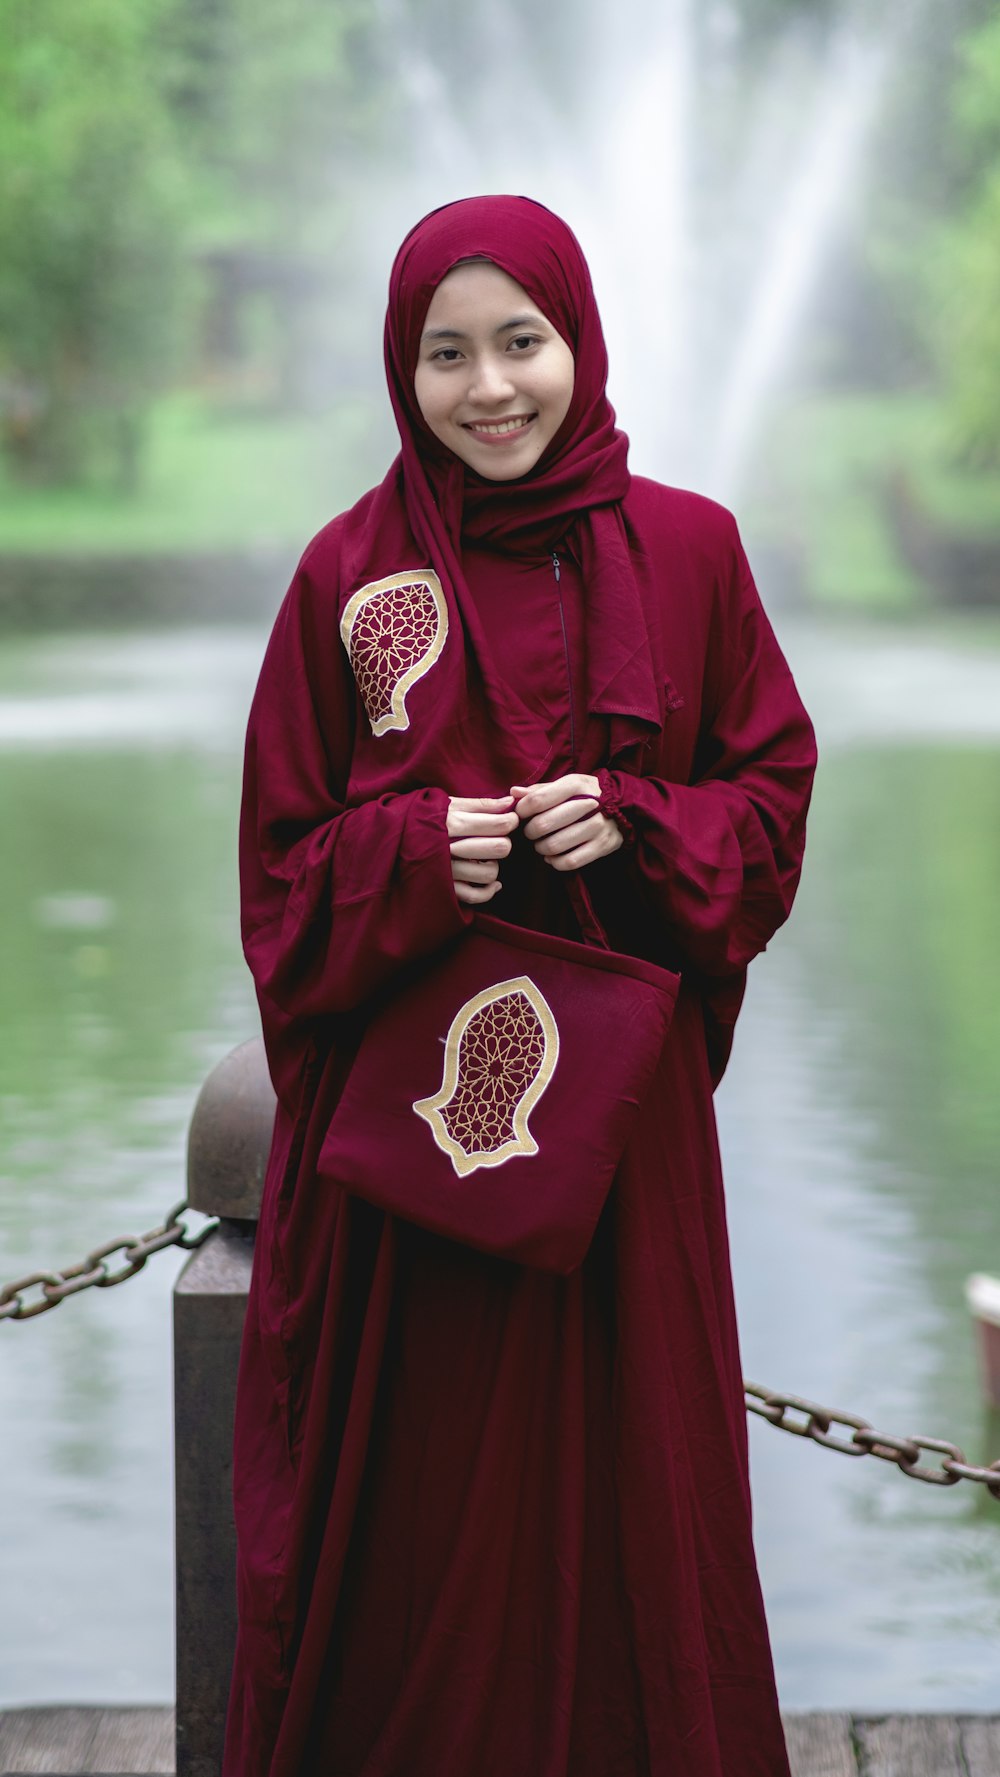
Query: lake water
[{"x": 860, "y": 1123}]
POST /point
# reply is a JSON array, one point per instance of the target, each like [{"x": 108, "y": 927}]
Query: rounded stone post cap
[{"x": 230, "y": 1135}]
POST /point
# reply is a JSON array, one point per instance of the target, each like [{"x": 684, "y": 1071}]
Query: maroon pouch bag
[{"x": 491, "y": 1099}]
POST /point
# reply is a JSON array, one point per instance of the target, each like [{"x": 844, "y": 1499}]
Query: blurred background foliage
[{"x": 184, "y": 184}]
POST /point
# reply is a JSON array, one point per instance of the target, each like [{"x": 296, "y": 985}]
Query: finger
[
  {"x": 481, "y": 804},
  {"x": 483, "y": 823},
  {"x": 566, "y": 839},
  {"x": 533, "y": 799},
  {"x": 607, "y": 839},
  {"x": 462, "y": 822},
  {"x": 474, "y": 870},
  {"x": 480, "y": 848},
  {"x": 530, "y": 799},
  {"x": 473, "y": 894},
  {"x": 564, "y": 815},
  {"x": 575, "y": 860}
]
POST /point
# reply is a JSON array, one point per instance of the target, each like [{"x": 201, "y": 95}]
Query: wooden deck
[{"x": 73, "y": 1741}]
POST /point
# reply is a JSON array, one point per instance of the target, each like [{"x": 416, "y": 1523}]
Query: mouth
[{"x": 499, "y": 431}]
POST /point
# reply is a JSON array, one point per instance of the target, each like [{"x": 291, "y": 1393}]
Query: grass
[
  {"x": 213, "y": 480},
  {"x": 819, "y": 492}
]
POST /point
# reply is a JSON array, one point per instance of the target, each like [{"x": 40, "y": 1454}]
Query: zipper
[{"x": 557, "y": 570}]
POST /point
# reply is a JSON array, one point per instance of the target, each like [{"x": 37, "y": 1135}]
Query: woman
[{"x": 494, "y": 1522}]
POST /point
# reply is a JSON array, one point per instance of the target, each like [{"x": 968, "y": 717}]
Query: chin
[
  {"x": 506, "y": 474},
  {"x": 504, "y": 471}
]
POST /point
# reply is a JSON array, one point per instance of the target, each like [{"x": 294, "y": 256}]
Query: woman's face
[{"x": 494, "y": 379}]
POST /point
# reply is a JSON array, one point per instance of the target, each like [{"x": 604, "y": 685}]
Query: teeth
[{"x": 501, "y": 426}]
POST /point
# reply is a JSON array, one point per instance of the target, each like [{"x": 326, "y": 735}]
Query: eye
[
  {"x": 522, "y": 342},
  {"x": 445, "y": 355}
]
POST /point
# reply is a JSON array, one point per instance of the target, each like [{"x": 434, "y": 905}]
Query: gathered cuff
[{"x": 610, "y": 803}]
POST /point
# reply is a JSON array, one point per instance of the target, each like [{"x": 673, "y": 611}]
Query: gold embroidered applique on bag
[
  {"x": 394, "y": 631},
  {"x": 500, "y": 1054}
]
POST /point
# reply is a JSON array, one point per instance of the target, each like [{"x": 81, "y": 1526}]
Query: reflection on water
[
  {"x": 187, "y": 687},
  {"x": 860, "y": 1122},
  {"x": 121, "y": 983}
]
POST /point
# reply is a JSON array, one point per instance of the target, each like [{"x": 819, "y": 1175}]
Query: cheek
[
  {"x": 561, "y": 380},
  {"x": 560, "y": 398},
  {"x": 423, "y": 391},
  {"x": 435, "y": 397}
]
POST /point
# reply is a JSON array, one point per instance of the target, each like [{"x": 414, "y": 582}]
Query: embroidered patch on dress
[
  {"x": 394, "y": 630},
  {"x": 500, "y": 1054}
]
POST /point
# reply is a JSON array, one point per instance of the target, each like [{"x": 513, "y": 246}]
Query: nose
[{"x": 490, "y": 382}]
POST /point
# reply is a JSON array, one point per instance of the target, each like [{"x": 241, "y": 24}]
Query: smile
[{"x": 499, "y": 428}]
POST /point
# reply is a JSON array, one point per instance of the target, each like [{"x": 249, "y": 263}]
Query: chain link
[
  {"x": 811, "y": 1420},
  {"x": 788, "y": 1412},
  {"x": 93, "y": 1271}
]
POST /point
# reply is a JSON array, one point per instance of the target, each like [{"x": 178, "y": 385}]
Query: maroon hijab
[{"x": 571, "y": 497}]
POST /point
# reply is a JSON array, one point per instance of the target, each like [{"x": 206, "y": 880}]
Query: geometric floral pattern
[
  {"x": 500, "y": 1054},
  {"x": 393, "y": 631}
]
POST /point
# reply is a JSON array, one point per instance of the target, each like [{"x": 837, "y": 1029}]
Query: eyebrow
[{"x": 505, "y": 327}]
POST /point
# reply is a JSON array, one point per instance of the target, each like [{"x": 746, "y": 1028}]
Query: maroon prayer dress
[{"x": 495, "y": 1522}]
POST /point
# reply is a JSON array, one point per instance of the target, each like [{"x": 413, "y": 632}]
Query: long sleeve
[
  {"x": 335, "y": 898},
  {"x": 718, "y": 859}
]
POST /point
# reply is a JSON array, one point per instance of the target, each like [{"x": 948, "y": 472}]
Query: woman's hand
[
  {"x": 564, "y": 823},
  {"x": 478, "y": 827}
]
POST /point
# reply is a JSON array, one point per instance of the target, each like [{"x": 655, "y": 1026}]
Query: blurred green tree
[
  {"x": 174, "y": 178},
  {"x": 963, "y": 269},
  {"x": 277, "y": 103},
  {"x": 91, "y": 200}
]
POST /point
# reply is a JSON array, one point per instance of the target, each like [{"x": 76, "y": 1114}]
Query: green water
[{"x": 860, "y": 1122}]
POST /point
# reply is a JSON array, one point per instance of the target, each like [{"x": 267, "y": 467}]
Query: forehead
[{"x": 477, "y": 295}]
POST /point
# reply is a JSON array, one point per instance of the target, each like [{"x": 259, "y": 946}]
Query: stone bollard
[{"x": 228, "y": 1145}]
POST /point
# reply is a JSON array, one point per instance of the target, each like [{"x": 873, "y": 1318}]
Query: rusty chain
[
  {"x": 815, "y": 1422},
  {"x": 788, "y": 1412},
  {"x": 93, "y": 1271}
]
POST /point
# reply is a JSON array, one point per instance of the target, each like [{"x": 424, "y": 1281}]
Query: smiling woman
[
  {"x": 494, "y": 379},
  {"x": 471, "y": 1538}
]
